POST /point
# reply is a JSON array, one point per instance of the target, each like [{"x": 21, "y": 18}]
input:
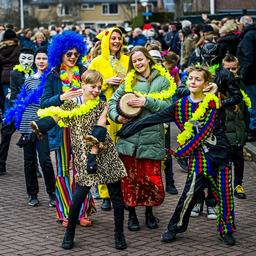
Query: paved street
[{"x": 25, "y": 230}]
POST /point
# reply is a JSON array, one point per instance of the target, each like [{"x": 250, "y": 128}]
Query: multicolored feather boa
[
  {"x": 76, "y": 112},
  {"x": 166, "y": 94},
  {"x": 75, "y": 81},
  {"x": 24, "y": 98},
  {"x": 187, "y": 133}
]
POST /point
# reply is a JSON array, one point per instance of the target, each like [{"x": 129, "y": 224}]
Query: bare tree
[{"x": 178, "y": 9}]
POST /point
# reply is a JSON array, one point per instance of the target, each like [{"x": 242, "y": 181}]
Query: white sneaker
[
  {"x": 211, "y": 213},
  {"x": 197, "y": 210}
]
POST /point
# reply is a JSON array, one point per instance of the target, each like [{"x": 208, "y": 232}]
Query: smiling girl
[{"x": 142, "y": 153}]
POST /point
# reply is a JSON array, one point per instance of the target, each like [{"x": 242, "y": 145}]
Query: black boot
[
  {"x": 168, "y": 236},
  {"x": 68, "y": 241},
  {"x": 171, "y": 189},
  {"x": 133, "y": 223},
  {"x": 228, "y": 239},
  {"x": 151, "y": 221},
  {"x": 120, "y": 242}
]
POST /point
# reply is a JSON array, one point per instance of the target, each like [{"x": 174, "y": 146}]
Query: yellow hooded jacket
[{"x": 102, "y": 64}]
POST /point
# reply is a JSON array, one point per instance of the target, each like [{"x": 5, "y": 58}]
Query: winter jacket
[
  {"x": 148, "y": 143},
  {"x": 102, "y": 63},
  {"x": 246, "y": 54},
  {"x": 237, "y": 123},
  {"x": 51, "y": 97},
  {"x": 9, "y": 57}
]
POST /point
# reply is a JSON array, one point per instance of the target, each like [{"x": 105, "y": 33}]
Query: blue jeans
[{"x": 251, "y": 91}]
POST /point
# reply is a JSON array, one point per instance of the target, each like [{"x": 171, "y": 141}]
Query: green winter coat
[{"x": 148, "y": 143}]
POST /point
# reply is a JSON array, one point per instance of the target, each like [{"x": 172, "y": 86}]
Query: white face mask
[{"x": 26, "y": 60}]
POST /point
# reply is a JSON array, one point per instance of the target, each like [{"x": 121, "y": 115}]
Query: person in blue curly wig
[{"x": 63, "y": 83}]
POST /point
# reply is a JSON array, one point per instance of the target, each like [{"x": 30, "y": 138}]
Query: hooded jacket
[{"x": 102, "y": 62}]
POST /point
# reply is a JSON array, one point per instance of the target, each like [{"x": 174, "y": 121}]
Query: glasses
[{"x": 69, "y": 54}]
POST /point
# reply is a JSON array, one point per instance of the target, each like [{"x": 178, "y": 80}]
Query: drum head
[{"x": 124, "y": 109}]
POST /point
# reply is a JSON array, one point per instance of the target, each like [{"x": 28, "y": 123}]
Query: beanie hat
[
  {"x": 9, "y": 34},
  {"x": 186, "y": 23}
]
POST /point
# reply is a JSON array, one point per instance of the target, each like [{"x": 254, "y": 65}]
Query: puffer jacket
[{"x": 148, "y": 143}]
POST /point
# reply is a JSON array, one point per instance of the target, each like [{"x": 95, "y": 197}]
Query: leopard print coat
[{"x": 110, "y": 167}]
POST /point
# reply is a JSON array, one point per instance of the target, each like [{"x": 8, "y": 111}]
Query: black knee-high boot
[{"x": 151, "y": 221}]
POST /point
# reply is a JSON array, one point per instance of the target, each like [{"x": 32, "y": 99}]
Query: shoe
[
  {"x": 2, "y": 168},
  {"x": 171, "y": 189},
  {"x": 52, "y": 202},
  {"x": 106, "y": 205},
  {"x": 33, "y": 201},
  {"x": 239, "y": 192},
  {"x": 168, "y": 236},
  {"x": 151, "y": 221},
  {"x": 197, "y": 210},
  {"x": 228, "y": 239},
  {"x": 68, "y": 241},
  {"x": 120, "y": 243},
  {"x": 133, "y": 223},
  {"x": 96, "y": 194},
  {"x": 85, "y": 222},
  {"x": 211, "y": 213},
  {"x": 2, "y": 172}
]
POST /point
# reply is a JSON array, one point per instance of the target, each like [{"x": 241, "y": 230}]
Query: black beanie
[{"x": 9, "y": 34}]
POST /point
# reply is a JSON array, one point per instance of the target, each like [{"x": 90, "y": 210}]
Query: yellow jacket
[{"x": 102, "y": 64}]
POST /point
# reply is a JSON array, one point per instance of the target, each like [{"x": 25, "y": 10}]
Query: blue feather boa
[{"x": 24, "y": 98}]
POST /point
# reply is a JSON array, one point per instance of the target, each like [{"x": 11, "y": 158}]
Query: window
[
  {"x": 43, "y": 7},
  {"x": 109, "y": 9},
  {"x": 169, "y": 5},
  {"x": 87, "y": 6},
  {"x": 63, "y": 10}
]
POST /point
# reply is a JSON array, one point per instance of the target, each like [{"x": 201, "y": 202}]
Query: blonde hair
[
  {"x": 39, "y": 33},
  {"x": 200, "y": 68},
  {"x": 91, "y": 77}
]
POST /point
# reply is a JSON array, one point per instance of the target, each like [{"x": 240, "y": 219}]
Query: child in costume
[
  {"x": 96, "y": 159},
  {"x": 62, "y": 83},
  {"x": 202, "y": 139},
  {"x": 112, "y": 63},
  {"x": 143, "y": 152},
  {"x": 237, "y": 127}
]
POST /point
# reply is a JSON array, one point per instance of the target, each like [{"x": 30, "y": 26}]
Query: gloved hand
[{"x": 91, "y": 163}]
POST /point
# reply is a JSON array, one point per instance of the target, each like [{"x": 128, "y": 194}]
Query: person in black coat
[{"x": 246, "y": 54}]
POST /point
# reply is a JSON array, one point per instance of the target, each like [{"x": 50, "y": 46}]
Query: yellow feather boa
[
  {"x": 187, "y": 133},
  {"x": 21, "y": 69},
  {"x": 166, "y": 94},
  {"x": 246, "y": 99},
  {"x": 76, "y": 112}
]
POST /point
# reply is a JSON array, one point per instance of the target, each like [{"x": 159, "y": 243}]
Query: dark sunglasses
[{"x": 69, "y": 54}]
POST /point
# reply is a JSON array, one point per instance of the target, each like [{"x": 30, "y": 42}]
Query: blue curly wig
[{"x": 63, "y": 43}]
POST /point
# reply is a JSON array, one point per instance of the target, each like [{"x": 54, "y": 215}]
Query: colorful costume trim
[{"x": 75, "y": 81}]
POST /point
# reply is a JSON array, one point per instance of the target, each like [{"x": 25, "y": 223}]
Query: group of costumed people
[{"x": 79, "y": 110}]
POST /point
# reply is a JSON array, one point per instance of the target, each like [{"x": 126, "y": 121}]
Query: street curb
[{"x": 251, "y": 149}]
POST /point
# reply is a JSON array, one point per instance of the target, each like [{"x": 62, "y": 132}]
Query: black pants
[
  {"x": 168, "y": 161},
  {"x": 30, "y": 166},
  {"x": 7, "y": 131},
  {"x": 237, "y": 158},
  {"x": 79, "y": 195}
]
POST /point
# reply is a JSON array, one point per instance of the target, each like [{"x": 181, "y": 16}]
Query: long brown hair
[{"x": 145, "y": 52}]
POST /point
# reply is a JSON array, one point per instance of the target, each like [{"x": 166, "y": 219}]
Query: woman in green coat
[{"x": 142, "y": 153}]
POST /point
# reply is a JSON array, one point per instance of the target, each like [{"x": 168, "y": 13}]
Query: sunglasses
[{"x": 69, "y": 54}]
